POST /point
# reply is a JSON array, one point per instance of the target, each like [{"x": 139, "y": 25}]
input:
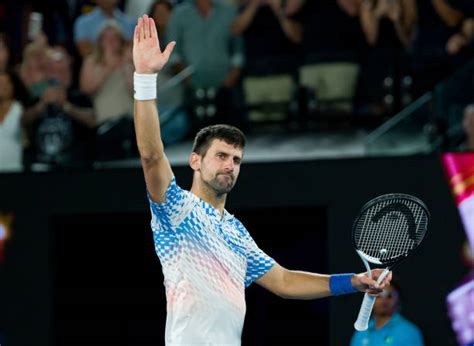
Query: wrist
[
  {"x": 144, "y": 85},
  {"x": 342, "y": 284}
]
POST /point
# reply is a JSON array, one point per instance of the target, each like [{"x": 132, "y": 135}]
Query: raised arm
[{"x": 149, "y": 60}]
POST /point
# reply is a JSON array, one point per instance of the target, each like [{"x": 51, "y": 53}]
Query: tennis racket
[{"x": 386, "y": 231}]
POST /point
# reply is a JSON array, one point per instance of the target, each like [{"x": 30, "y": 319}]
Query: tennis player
[{"x": 207, "y": 255}]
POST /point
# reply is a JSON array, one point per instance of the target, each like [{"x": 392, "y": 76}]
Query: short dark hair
[{"x": 229, "y": 134}]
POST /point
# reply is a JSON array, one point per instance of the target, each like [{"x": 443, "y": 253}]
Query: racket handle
[{"x": 362, "y": 322}]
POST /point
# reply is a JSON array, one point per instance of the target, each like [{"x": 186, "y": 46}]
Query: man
[
  {"x": 216, "y": 56},
  {"x": 208, "y": 257},
  {"x": 388, "y": 327}
]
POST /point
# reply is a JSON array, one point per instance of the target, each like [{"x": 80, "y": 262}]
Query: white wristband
[{"x": 144, "y": 86}]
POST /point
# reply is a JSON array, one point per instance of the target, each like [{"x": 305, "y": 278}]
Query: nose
[{"x": 229, "y": 165}]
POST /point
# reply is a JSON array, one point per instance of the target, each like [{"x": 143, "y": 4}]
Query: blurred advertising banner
[{"x": 459, "y": 168}]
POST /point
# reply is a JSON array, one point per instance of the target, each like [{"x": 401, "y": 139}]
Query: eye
[{"x": 237, "y": 160}]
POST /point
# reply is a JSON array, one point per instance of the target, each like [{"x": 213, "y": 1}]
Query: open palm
[{"x": 147, "y": 55}]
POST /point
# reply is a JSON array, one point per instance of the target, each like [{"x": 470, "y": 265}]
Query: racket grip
[{"x": 362, "y": 322}]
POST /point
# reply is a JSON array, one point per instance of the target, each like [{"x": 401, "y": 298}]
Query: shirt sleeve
[
  {"x": 258, "y": 262},
  {"x": 167, "y": 216}
]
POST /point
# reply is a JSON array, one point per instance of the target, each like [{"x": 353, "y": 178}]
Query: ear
[{"x": 195, "y": 161}]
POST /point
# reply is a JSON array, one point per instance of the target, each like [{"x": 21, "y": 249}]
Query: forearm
[
  {"x": 293, "y": 30},
  {"x": 448, "y": 14},
  {"x": 403, "y": 33},
  {"x": 304, "y": 285},
  {"x": 147, "y": 129},
  {"x": 370, "y": 23},
  {"x": 242, "y": 22}
]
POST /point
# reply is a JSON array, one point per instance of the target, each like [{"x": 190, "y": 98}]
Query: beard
[{"x": 222, "y": 183}]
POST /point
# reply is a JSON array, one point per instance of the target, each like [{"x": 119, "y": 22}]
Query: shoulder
[{"x": 88, "y": 17}]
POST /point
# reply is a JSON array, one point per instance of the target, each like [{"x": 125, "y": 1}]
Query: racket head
[{"x": 390, "y": 227}]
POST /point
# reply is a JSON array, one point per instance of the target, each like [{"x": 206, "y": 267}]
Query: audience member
[
  {"x": 331, "y": 30},
  {"x": 431, "y": 61},
  {"x": 107, "y": 77},
  {"x": 388, "y": 26},
  {"x": 202, "y": 28},
  {"x": 272, "y": 32},
  {"x": 86, "y": 27},
  {"x": 387, "y": 326},
  {"x": 59, "y": 119}
]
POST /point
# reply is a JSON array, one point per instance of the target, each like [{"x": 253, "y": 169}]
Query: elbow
[
  {"x": 151, "y": 157},
  {"x": 283, "y": 289}
]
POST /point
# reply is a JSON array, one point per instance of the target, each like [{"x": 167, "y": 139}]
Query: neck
[
  {"x": 209, "y": 196},
  {"x": 204, "y": 7}
]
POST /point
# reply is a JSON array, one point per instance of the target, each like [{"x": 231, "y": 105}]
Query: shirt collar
[{"x": 213, "y": 211}]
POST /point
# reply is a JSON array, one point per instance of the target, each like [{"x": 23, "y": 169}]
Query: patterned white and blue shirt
[{"x": 208, "y": 260}]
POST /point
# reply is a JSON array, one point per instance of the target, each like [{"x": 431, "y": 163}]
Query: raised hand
[{"x": 147, "y": 55}]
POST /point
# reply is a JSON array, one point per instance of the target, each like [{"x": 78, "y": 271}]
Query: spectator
[
  {"x": 388, "y": 26},
  {"x": 438, "y": 21},
  {"x": 387, "y": 326},
  {"x": 206, "y": 43},
  {"x": 332, "y": 28},
  {"x": 86, "y": 27},
  {"x": 59, "y": 119},
  {"x": 11, "y": 112},
  {"x": 271, "y": 35},
  {"x": 106, "y": 76}
]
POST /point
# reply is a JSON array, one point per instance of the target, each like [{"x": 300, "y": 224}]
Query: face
[
  {"x": 6, "y": 87},
  {"x": 386, "y": 303},
  {"x": 219, "y": 168},
  {"x": 110, "y": 39},
  {"x": 107, "y": 4}
]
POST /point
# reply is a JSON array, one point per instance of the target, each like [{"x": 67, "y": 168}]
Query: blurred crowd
[{"x": 66, "y": 70}]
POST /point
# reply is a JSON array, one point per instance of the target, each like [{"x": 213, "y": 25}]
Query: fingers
[
  {"x": 136, "y": 34},
  {"x": 153, "y": 32},
  {"x": 168, "y": 50},
  {"x": 146, "y": 26}
]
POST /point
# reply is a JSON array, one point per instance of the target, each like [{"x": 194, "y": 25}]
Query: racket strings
[{"x": 387, "y": 236}]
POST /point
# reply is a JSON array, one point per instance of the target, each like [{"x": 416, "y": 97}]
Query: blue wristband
[{"x": 341, "y": 284}]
